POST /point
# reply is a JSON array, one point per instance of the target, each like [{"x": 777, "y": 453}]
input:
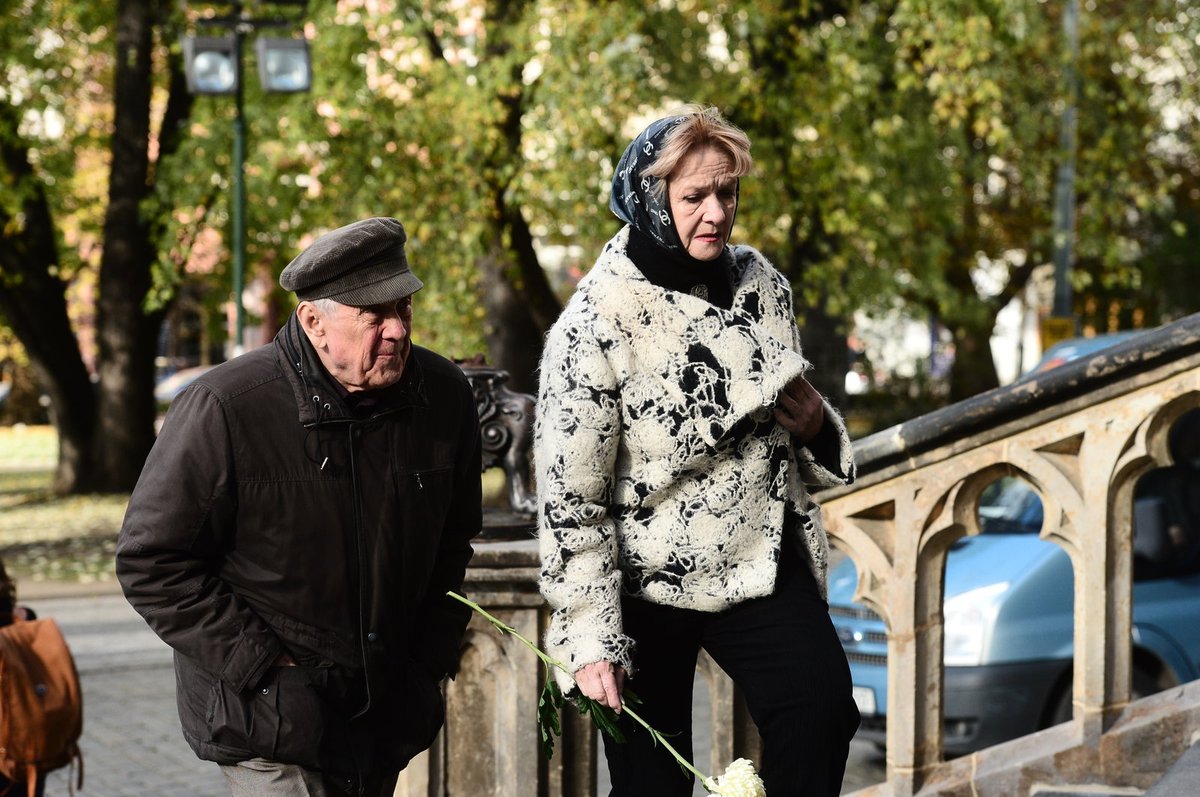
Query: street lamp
[
  {"x": 1061, "y": 323},
  {"x": 213, "y": 65}
]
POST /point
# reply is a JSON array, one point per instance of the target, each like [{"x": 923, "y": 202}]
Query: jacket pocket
[
  {"x": 420, "y": 703},
  {"x": 282, "y": 719}
]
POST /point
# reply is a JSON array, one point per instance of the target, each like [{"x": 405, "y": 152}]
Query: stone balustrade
[{"x": 1081, "y": 435}]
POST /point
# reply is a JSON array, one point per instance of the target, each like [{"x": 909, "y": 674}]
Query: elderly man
[{"x": 297, "y": 525}]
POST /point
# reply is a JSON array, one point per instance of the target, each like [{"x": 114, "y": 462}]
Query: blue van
[{"x": 1009, "y": 610}]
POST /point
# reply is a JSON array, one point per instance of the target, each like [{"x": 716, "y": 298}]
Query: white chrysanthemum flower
[{"x": 739, "y": 780}]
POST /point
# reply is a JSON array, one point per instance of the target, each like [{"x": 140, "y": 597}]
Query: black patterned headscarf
[{"x": 633, "y": 199}]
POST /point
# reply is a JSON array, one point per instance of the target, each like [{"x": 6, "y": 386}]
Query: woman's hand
[
  {"x": 602, "y": 681},
  {"x": 799, "y": 409}
]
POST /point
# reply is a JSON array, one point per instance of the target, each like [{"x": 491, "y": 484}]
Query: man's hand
[
  {"x": 799, "y": 410},
  {"x": 602, "y": 681}
]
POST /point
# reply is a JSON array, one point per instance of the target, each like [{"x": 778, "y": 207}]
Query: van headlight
[{"x": 967, "y": 624}]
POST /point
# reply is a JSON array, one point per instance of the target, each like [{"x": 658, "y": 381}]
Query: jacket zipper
[{"x": 359, "y": 566}]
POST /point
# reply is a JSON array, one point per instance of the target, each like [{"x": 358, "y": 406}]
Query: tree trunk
[
  {"x": 974, "y": 370},
  {"x": 517, "y": 298},
  {"x": 33, "y": 302},
  {"x": 514, "y": 338},
  {"x": 824, "y": 342},
  {"x": 126, "y": 333},
  {"x": 519, "y": 302}
]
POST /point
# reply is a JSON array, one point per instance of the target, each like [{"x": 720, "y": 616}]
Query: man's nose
[{"x": 395, "y": 327}]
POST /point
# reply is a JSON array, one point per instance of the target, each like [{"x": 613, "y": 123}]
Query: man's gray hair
[{"x": 325, "y": 306}]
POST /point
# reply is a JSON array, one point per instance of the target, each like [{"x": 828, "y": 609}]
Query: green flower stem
[
  {"x": 508, "y": 629},
  {"x": 658, "y": 737}
]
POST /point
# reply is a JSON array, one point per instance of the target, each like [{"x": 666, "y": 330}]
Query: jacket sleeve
[
  {"x": 180, "y": 517},
  {"x": 441, "y": 620},
  {"x": 828, "y": 459},
  {"x": 578, "y": 432}
]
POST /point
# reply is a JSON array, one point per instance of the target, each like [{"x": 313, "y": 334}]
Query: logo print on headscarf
[{"x": 633, "y": 199}]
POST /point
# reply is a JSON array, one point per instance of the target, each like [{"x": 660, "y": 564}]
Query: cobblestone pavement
[
  {"x": 131, "y": 743},
  {"x": 132, "y": 746}
]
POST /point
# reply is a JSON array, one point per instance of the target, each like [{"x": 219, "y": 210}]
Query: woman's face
[{"x": 703, "y": 196}]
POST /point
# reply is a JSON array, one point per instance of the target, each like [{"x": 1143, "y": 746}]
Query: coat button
[
  {"x": 372, "y": 637},
  {"x": 266, "y": 690}
]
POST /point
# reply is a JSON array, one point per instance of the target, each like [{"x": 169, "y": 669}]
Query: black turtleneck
[{"x": 707, "y": 279}]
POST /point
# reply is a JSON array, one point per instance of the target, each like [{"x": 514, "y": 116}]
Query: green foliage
[
  {"x": 54, "y": 66},
  {"x": 550, "y": 708},
  {"x": 550, "y": 704},
  {"x": 901, "y": 145},
  {"x": 904, "y": 145}
]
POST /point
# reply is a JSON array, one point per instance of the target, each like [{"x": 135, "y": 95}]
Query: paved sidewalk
[{"x": 132, "y": 746}]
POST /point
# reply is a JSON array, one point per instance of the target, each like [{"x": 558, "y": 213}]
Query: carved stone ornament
[{"x": 506, "y": 429}]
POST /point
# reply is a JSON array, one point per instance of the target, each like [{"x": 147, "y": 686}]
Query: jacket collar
[{"x": 318, "y": 399}]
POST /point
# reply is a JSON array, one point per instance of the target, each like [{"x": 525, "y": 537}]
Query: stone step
[
  {"x": 1087, "y": 790},
  {"x": 1183, "y": 778}
]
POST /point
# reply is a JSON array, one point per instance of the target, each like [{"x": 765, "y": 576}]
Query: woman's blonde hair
[{"x": 701, "y": 127}]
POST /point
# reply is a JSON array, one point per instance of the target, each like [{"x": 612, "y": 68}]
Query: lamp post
[
  {"x": 213, "y": 65},
  {"x": 1061, "y": 324}
]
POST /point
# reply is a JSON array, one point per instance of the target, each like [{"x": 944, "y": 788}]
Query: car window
[
  {"x": 1010, "y": 505},
  {"x": 1166, "y": 508}
]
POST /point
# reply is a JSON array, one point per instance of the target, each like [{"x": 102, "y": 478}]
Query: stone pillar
[{"x": 490, "y": 745}]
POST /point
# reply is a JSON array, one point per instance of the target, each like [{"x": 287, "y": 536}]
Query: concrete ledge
[
  {"x": 1148, "y": 738},
  {"x": 1182, "y": 779}
]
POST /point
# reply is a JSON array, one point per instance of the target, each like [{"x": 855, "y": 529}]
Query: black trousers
[{"x": 784, "y": 655}]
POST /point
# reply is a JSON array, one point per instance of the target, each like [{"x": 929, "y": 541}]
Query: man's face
[{"x": 364, "y": 348}]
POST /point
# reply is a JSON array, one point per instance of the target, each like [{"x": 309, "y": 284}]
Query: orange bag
[{"x": 41, "y": 706}]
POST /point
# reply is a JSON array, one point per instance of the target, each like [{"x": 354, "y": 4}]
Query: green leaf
[
  {"x": 549, "y": 706},
  {"x": 604, "y": 717}
]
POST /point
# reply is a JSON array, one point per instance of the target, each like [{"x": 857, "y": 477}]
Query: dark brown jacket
[{"x": 270, "y": 518}]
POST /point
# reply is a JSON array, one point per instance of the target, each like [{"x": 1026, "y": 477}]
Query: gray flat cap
[{"x": 361, "y": 264}]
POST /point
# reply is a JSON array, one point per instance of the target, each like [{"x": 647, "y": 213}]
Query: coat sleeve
[
  {"x": 180, "y": 517},
  {"x": 577, "y": 436},
  {"x": 828, "y": 459},
  {"x": 441, "y": 620}
]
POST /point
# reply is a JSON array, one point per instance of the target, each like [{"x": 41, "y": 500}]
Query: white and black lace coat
[{"x": 661, "y": 469}]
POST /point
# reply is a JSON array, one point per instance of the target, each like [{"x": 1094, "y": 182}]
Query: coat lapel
[{"x": 720, "y": 366}]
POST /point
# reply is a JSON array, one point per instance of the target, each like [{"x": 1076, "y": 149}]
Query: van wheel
[{"x": 1144, "y": 684}]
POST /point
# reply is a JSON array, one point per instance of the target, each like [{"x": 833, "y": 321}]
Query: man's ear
[{"x": 311, "y": 321}]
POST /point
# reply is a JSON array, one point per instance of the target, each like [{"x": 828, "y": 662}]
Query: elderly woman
[{"x": 675, "y": 435}]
